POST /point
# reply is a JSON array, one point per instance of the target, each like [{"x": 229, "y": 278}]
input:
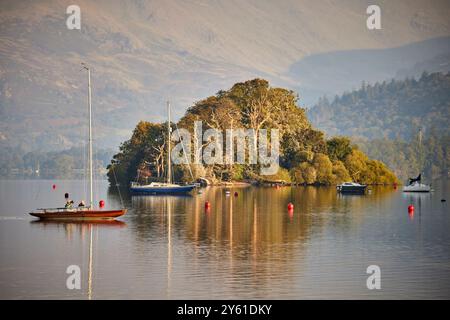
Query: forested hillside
[
  {"x": 405, "y": 123},
  {"x": 429, "y": 155},
  {"x": 391, "y": 109}
]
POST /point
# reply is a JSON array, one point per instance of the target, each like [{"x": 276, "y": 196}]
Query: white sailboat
[{"x": 415, "y": 184}]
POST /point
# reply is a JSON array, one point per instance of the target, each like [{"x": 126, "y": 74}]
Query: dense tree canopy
[{"x": 306, "y": 157}]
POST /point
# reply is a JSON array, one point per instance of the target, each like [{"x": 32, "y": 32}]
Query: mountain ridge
[{"x": 145, "y": 52}]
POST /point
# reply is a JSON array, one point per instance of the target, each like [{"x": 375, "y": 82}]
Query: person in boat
[
  {"x": 69, "y": 204},
  {"x": 81, "y": 204}
]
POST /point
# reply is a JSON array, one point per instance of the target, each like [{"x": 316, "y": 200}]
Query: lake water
[{"x": 244, "y": 247}]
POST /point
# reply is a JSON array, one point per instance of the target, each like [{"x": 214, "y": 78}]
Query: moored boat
[
  {"x": 82, "y": 212},
  {"x": 160, "y": 188},
  {"x": 168, "y": 187},
  {"x": 352, "y": 188},
  {"x": 77, "y": 213},
  {"x": 415, "y": 185}
]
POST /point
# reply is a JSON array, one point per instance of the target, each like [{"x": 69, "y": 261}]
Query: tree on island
[{"x": 306, "y": 157}]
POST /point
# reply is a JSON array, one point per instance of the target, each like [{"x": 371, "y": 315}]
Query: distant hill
[
  {"x": 394, "y": 109},
  {"x": 145, "y": 52},
  {"x": 333, "y": 73}
]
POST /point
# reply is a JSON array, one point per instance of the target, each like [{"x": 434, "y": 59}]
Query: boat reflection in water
[
  {"x": 418, "y": 200},
  {"x": 248, "y": 240},
  {"x": 83, "y": 228},
  {"x": 243, "y": 246}
]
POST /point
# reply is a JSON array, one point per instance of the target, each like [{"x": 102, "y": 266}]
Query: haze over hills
[
  {"x": 145, "y": 52},
  {"x": 333, "y": 73},
  {"x": 394, "y": 109}
]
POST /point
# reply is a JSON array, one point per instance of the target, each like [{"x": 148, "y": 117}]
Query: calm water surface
[{"x": 244, "y": 247}]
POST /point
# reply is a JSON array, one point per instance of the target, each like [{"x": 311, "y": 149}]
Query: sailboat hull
[
  {"x": 417, "y": 187},
  {"x": 144, "y": 190},
  {"x": 76, "y": 214}
]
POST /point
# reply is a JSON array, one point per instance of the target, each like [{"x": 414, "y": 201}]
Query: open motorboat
[
  {"x": 88, "y": 212},
  {"x": 162, "y": 187},
  {"x": 415, "y": 185},
  {"x": 352, "y": 187}
]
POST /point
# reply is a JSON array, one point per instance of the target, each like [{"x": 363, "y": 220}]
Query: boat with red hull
[
  {"x": 69, "y": 213},
  {"x": 77, "y": 213}
]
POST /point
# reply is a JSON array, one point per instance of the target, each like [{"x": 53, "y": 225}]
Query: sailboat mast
[
  {"x": 91, "y": 194},
  {"x": 169, "y": 165}
]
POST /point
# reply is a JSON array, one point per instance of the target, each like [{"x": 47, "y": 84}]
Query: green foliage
[
  {"x": 301, "y": 145},
  {"x": 306, "y": 157},
  {"x": 407, "y": 159},
  {"x": 384, "y": 120},
  {"x": 324, "y": 169},
  {"x": 310, "y": 175},
  {"x": 356, "y": 163},
  {"x": 364, "y": 170},
  {"x": 338, "y": 148},
  {"x": 142, "y": 156},
  {"x": 391, "y": 110},
  {"x": 340, "y": 172}
]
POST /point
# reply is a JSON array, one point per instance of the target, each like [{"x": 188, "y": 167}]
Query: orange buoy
[
  {"x": 101, "y": 204},
  {"x": 290, "y": 206}
]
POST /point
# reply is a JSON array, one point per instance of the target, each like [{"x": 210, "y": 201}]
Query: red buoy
[
  {"x": 410, "y": 208},
  {"x": 207, "y": 205},
  {"x": 54, "y": 186},
  {"x": 290, "y": 206},
  {"x": 236, "y": 194},
  {"x": 101, "y": 204}
]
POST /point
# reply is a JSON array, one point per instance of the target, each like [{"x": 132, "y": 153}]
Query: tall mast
[
  {"x": 169, "y": 165},
  {"x": 421, "y": 159},
  {"x": 91, "y": 194}
]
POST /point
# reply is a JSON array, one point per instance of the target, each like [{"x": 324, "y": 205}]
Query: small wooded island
[{"x": 306, "y": 157}]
